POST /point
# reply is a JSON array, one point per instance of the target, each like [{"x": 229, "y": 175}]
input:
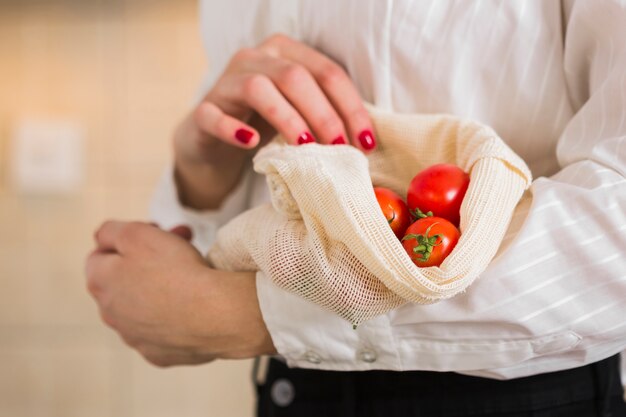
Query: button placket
[
  {"x": 367, "y": 355},
  {"x": 312, "y": 357}
]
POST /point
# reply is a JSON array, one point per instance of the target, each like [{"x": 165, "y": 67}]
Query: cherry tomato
[
  {"x": 438, "y": 189},
  {"x": 395, "y": 210},
  {"x": 429, "y": 240}
]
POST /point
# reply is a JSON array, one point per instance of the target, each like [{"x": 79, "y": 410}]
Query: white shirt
[{"x": 550, "y": 77}]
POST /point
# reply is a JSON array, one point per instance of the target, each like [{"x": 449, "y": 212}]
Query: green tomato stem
[
  {"x": 419, "y": 214},
  {"x": 425, "y": 243}
]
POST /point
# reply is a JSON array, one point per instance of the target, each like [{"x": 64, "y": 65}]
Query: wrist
[
  {"x": 206, "y": 169},
  {"x": 240, "y": 328},
  {"x": 202, "y": 186}
]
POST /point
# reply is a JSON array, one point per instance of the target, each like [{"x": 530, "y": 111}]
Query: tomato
[
  {"x": 429, "y": 240},
  {"x": 438, "y": 189},
  {"x": 394, "y": 209}
]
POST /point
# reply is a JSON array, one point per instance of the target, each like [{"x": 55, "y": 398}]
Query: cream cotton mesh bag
[{"x": 325, "y": 238}]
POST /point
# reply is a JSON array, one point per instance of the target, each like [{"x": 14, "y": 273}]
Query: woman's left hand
[{"x": 155, "y": 289}]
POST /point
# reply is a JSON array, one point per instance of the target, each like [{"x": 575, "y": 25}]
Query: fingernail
[
  {"x": 339, "y": 140},
  {"x": 367, "y": 140},
  {"x": 306, "y": 137},
  {"x": 183, "y": 231},
  {"x": 244, "y": 136}
]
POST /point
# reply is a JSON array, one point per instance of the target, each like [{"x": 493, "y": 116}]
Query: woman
[{"x": 546, "y": 317}]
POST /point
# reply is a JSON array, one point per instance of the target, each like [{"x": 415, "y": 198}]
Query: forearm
[
  {"x": 206, "y": 170},
  {"x": 166, "y": 303},
  {"x": 234, "y": 310},
  {"x": 204, "y": 186}
]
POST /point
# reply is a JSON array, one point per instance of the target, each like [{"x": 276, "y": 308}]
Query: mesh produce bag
[{"x": 325, "y": 238}]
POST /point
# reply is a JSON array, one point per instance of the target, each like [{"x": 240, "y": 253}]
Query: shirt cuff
[
  {"x": 308, "y": 336},
  {"x": 167, "y": 210}
]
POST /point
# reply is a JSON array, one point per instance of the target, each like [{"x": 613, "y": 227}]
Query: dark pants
[{"x": 592, "y": 390}]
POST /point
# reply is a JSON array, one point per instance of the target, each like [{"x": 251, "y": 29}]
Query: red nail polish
[
  {"x": 339, "y": 140},
  {"x": 183, "y": 231},
  {"x": 367, "y": 140},
  {"x": 244, "y": 136},
  {"x": 306, "y": 137}
]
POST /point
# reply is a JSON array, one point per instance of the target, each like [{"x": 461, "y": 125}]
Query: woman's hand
[
  {"x": 291, "y": 87},
  {"x": 155, "y": 290}
]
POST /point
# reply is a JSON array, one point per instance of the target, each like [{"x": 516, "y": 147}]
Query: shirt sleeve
[
  {"x": 167, "y": 210},
  {"x": 555, "y": 295},
  {"x": 224, "y": 30}
]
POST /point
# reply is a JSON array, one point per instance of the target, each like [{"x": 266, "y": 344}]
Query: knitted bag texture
[{"x": 325, "y": 238}]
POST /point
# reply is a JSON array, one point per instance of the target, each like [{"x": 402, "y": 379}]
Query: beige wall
[{"x": 126, "y": 71}]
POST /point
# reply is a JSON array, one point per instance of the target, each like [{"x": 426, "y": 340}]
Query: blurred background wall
[{"x": 109, "y": 78}]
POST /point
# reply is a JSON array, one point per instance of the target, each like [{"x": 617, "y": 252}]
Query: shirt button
[
  {"x": 368, "y": 355},
  {"x": 312, "y": 357},
  {"x": 282, "y": 392}
]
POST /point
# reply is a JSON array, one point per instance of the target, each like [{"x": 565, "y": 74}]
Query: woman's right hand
[{"x": 291, "y": 87}]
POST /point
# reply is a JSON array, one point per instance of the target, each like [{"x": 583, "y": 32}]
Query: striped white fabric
[{"x": 550, "y": 78}]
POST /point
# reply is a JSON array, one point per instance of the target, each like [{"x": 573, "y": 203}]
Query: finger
[
  {"x": 297, "y": 84},
  {"x": 107, "y": 235},
  {"x": 119, "y": 237},
  {"x": 258, "y": 92},
  {"x": 212, "y": 120},
  {"x": 335, "y": 83},
  {"x": 98, "y": 268},
  {"x": 183, "y": 231},
  {"x": 107, "y": 319}
]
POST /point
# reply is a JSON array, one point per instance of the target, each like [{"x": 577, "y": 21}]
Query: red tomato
[
  {"x": 395, "y": 210},
  {"x": 439, "y": 189},
  {"x": 430, "y": 240}
]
